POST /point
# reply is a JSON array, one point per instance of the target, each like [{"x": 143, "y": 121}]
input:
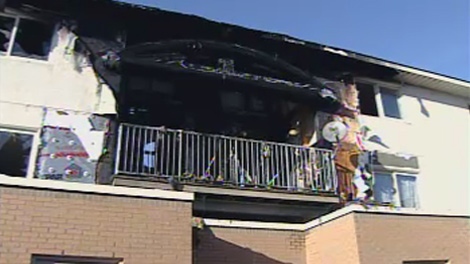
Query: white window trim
[
  {"x": 33, "y": 152},
  {"x": 377, "y": 85},
  {"x": 378, "y": 101},
  {"x": 396, "y": 195},
  {"x": 398, "y": 93},
  {"x": 13, "y": 36}
]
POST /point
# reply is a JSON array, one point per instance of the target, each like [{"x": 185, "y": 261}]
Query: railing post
[
  {"x": 333, "y": 172},
  {"x": 180, "y": 154},
  {"x": 118, "y": 150}
]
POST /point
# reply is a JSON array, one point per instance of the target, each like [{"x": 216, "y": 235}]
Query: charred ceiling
[{"x": 106, "y": 19}]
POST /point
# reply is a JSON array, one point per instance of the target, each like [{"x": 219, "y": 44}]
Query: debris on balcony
[
  {"x": 351, "y": 158},
  {"x": 219, "y": 160}
]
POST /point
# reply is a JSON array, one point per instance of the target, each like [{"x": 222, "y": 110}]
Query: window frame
[
  {"x": 18, "y": 16},
  {"x": 34, "y": 148},
  {"x": 396, "y": 195},
  {"x": 40, "y": 258},
  {"x": 377, "y": 86},
  {"x": 380, "y": 106}
]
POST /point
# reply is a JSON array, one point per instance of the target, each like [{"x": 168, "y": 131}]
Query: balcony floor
[{"x": 225, "y": 202}]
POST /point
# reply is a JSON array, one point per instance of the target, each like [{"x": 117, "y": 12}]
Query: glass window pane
[
  {"x": 383, "y": 188},
  {"x": 15, "y": 149},
  {"x": 390, "y": 103},
  {"x": 407, "y": 190},
  {"x": 6, "y": 27}
]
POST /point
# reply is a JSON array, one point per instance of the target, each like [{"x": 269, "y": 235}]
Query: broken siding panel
[{"x": 71, "y": 146}]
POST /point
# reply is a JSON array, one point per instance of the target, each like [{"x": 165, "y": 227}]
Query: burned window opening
[
  {"x": 34, "y": 37},
  {"x": 15, "y": 149},
  {"x": 25, "y": 37},
  {"x": 367, "y": 101}
]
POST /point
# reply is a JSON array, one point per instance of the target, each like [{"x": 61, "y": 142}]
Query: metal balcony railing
[{"x": 221, "y": 160}]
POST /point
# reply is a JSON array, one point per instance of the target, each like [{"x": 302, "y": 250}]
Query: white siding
[{"x": 441, "y": 141}]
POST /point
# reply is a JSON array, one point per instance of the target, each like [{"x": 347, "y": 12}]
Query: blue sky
[{"x": 430, "y": 34}]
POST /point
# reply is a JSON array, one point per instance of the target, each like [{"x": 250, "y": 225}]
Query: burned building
[{"x": 231, "y": 127}]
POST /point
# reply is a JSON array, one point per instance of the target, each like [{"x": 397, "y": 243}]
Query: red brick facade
[
  {"x": 388, "y": 238},
  {"x": 156, "y": 230},
  {"x": 241, "y": 245},
  {"x": 370, "y": 238},
  {"x": 56, "y": 222}
]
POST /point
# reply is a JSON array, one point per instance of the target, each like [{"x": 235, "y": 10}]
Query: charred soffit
[
  {"x": 100, "y": 18},
  {"x": 227, "y": 61}
]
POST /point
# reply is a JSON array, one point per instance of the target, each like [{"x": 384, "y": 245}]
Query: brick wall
[
  {"x": 370, "y": 238},
  {"x": 154, "y": 230},
  {"x": 387, "y": 238},
  {"x": 333, "y": 242},
  {"x": 247, "y": 246},
  {"x": 58, "y": 222}
]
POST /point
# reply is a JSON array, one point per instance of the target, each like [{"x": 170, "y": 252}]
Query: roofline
[
  {"x": 336, "y": 50},
  {"x": 339, "y": 51},
  {"x": 397, "y": 66}
]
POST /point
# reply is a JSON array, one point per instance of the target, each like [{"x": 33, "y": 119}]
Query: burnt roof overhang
[
  {"x": 144, "y": 24},
  {"x": 230, "y": 62},
  {"x": 207, "y": 52}
]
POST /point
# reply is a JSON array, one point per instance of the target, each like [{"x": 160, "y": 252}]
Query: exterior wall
[
  {"x": 140, "y": 230},
  {"x": 333, "y": 242},
  {"x": 443, "y": 143},
  {"x": 245, "y": 245},
  {"x": 388, "y": 238},
  {"x": 28, "y": 85},
  {"x": 379, "y": 236},
  {"x": 436, "y": 128}
]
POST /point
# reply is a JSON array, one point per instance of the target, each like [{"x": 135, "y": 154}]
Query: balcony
[{"x": 216, "y": 167}]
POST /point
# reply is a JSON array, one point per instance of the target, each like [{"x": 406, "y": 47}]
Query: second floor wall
[
  {"x": 59, "y": 79},
  {"x": 434, "y": 127}
]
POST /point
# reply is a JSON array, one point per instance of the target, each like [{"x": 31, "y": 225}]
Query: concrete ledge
[
  {"x": 94, "y": 188},
  {"x": 376, "y": 210},
  {"x": 327, "y": 218},
  {"x": 254, "y": 225},
  {"x": 221, "y": 190}
]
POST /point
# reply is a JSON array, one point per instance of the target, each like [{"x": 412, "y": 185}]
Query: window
[
  {"x": 426, "y": 262},
  {"x": 395, "y": 188},
  {"x": 407, "y": 190},
  {"x": 52, "y": 259},
  {"x": 15, "y": 152},
  {"x": 25, "y": 37},
  {"x": 390, "y": 103},
  {"x": 383, "y": 188},
  {"x": 386, "y": 106}
]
